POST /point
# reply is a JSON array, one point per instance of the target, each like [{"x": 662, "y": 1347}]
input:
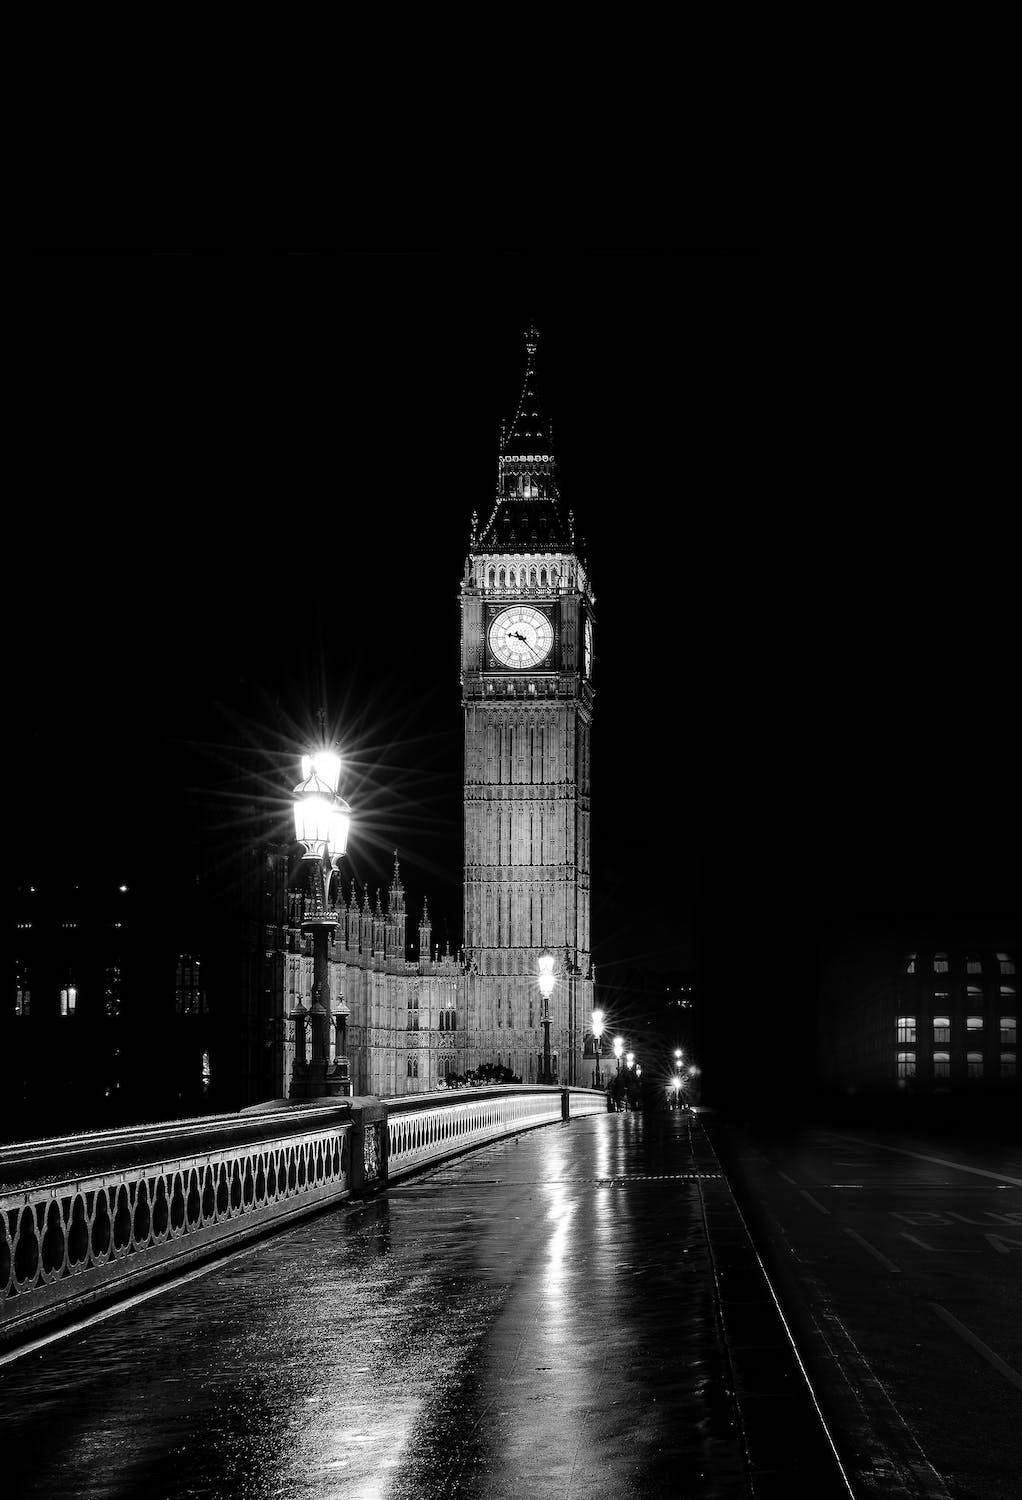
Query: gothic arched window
[
  {"x": 500, "y": 578},
  {"x": 493, "y": 577},
  {"x": 542, "y": 578}
]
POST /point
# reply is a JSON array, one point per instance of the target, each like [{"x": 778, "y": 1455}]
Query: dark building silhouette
[{"x": 925, "y": 1015}]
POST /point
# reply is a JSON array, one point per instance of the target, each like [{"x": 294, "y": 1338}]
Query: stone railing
[
  {"x": 429, "y": 1127},
  {"x": 86, "y": 1218}
]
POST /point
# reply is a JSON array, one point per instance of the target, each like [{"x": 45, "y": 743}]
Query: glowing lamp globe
[
  {"x": 314, "y": 803},
  {"x": 630, "y": 1059},
  {"x": 597, "y": 1024},
  {"x": 619, "y": 1046},
  {"x": 326, "y": 764},
  {"x": 546, "y": 976},
  {"x": 340, "y": 824}
]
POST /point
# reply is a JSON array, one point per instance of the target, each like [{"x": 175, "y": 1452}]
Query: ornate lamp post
[
  {"x": 598, "y": 1044},
  {"x": 322, "y": 821},
  {"x": 546, "y": 989},
  {"x": 619, "y": 1047}
]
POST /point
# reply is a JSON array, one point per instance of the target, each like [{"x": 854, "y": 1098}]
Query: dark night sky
[{"x": 248, "y": 486}]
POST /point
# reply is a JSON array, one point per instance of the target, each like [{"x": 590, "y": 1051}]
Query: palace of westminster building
[{"x": 526, "y": 676}]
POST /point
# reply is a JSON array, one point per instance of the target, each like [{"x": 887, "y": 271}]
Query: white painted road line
[
  {"x": 1000, "y": 1243},
  {"x": 940, "y": 1161},
  {"x": 915, "y": 1240},
  {"x": 888, "y": 1265},
  {"x": 1010, "y": 1375},
  {"x": 786, "y": 1177},
  {"x": 809, "y": 1197}
]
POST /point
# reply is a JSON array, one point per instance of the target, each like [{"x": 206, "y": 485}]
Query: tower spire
[{"x": 526, "y": 515}]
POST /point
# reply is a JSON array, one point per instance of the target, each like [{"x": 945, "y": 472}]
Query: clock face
[
  {"x": 521, "y": 637},
  {"x": 589, "y": 648}
]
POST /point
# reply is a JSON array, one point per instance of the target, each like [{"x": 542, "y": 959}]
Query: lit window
[
  {"x": 1007, "y": 992},
  {"x": 974, "y": 994},
  {"x": 1008, "y": 1029},
  {"x": 906, "y": 1065},
  {"x": 973, "y": 964},
  {"x": 1007, "y": 1064},
  {"x": 974, "y": 1023},
  {"x": 910, "y": 964},
  {"x": 940, "y": 963},
  {"x": 206, "y": 1073},
  {"x": 189, "y": 996},
  {"x": 942, "y": 1065},
  {"x": 68, "y": 999},
  {"x": 942, "y": 1028},
  {"x": 974, "y": 1062},
  {"x": 906, "y": 1028},
  {"x": 22, "y": 1000},
  {"x": 1006, "y": 962}
]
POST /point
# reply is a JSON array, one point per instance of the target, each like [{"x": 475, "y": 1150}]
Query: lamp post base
[{"x": 320, "y": 1081}]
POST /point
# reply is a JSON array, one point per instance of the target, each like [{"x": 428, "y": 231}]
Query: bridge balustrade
[
  {"x": 426, "y": 1128},
  {"x": 85, "y": 1218}
]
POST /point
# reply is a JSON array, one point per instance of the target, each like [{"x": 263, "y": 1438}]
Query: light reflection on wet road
[{"x": 513, "y": 1323}]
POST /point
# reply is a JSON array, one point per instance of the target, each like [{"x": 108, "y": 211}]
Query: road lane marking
[
  {"x": 888, "y": 1265},
  {"x": 915, "y": 1239},
  {"x": 816, "y": 1204},
  {"x": 1001, "y": 1244},
  {"x": 940, "y": 1161},
  {"x": 1000, "y": 1365},
  {"x": 786, "y": 1177}
]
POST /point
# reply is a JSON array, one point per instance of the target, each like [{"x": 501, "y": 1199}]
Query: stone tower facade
[{"x": 527, "y": 624}]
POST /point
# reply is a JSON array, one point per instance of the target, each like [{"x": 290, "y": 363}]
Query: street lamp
[
  {"x": 619, "y": 1047},
  {"x": 597, "y": 1045},
  {"x": 322, "y": 822},
  {"x": 630, "y": 1059},
  {"x": 546, "y": 989}
]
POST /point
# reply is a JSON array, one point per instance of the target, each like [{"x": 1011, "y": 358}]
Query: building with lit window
[{"x": 929, "y": 1018}]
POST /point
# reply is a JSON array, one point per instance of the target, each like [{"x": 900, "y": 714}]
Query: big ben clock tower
[{"x": 526, "y": 670}]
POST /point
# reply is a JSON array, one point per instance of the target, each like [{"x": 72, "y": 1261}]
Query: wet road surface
[
  {"x": 899, "y": 1261},
  {"x": 542, "y": 1317}
]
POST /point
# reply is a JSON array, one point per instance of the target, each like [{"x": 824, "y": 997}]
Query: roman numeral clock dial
[{"x": 521, "y": 637}]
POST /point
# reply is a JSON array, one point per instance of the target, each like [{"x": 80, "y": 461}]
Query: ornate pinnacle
[{"x": 531, "y": 339}]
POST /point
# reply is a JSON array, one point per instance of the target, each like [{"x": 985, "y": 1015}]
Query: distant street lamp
[
  {"x": 619, "y": 1047},
  {"x": 322, "y": 822},
  {"x": 546, "y": 989},
  {"x": 598, "y": 1045},
  {"x": 630, "y": 1059}
]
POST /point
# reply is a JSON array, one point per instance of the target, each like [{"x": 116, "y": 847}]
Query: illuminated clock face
[
  {"x": 521, "y": 637},
  {"x": 589, "y": 648}
]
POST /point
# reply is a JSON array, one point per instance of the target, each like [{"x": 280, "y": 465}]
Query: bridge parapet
[
  {"x": 83, "y": 1217},
  {"x": 426, "y": 1128}
]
